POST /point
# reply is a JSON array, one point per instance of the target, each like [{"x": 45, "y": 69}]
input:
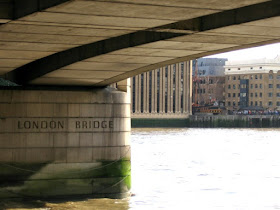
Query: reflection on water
[{"x": 194, "y": 169}]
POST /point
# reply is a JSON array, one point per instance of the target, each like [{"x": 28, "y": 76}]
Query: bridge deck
[{"x": 96, "y": 43}]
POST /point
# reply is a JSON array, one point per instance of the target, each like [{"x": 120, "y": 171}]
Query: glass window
[
  {"x": 233, "y": 95},
  {"x": 260, "y": 76},
  {"x": 270, "y": 94},
  {"x": 243, "y": 94},
  {"x": 228, "y": 78},
  {"x": 278, "y": 76},
  {"x": 270, "y": 85},
  {"x": 256, "y": 85},
  {"x": 270, "y": 76},
  {"x": 256, "y": 94},
  {"x": 228, "y": 103},
  {"x": 233, "y": 86},
  {"x": 233, "y": 103},
  {"x": 228, "y": 86},
  {"x": 256, "y": 103},
  {"x": 278, "y": 86},
  {"x": 251, "y": 94},
  {"x": 260, "y": 94},
  {"x": 278, "y": 103},
  {"x": 256, "y": 76},
  {"x": 228, "y": 95},
  {"x": 278, "y": 95},
  {"x": 260, "y": 103},
  {"x": 270, "y": 103},
  {"x": 234, "y": 77},
  {"x": 251, "y": 103},
  {"x": 251, "y": 86},
  {"x": 260, "y": 86}
]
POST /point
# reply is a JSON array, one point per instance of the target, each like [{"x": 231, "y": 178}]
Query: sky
[{"x": 266, "y": 51}]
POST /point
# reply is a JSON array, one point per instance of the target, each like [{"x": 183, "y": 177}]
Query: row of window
[
  {"x": 256, "y": 76},
  {"x": 251, "y": 95},
  {"x": 270, "y": 103},
  {"x": 252, "y": 86},
  {"x": 250, "y": 68}
]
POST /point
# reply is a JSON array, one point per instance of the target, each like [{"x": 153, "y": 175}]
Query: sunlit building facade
[
  {"x": 163, "y": 93},
  {"x": 253, "y": 84}
]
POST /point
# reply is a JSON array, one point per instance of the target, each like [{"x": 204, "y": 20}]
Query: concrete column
[
  {"x": 177, "y": 89},
  {"x": 136, "y": 94},
  {"x": 153, "y": 92},
  {"x": 161, "y": 89},
  {"x": 145, "y": 93},
  {"x": 64, "y": 143},
  {"x": 148, "y": 89},
  {"x": 189, "y": 86},
  {"x": 185, "y": 89},
  {"x": 139, "y": 93},
  {"x": 170, "y": 90}
]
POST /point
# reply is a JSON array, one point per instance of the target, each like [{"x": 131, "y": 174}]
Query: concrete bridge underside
[{"x": 96, "y": 43}]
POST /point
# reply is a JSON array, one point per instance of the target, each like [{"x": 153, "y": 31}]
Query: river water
[{"x": 196, "y": 169}]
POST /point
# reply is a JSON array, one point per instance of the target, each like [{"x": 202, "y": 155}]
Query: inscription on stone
[
  {"x": 40, "y": 124},
  {"x": 62, "y": 124}
]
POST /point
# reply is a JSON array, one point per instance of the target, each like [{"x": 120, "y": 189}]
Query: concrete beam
[
  {"x": 14, "y": 9},
  {"x": 24, "y": 74}
]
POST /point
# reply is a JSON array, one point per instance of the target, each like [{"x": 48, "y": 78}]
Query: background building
[
  {"x": 253, "y": 84},
  {"x": 208, "y": 81},
  {"x": 163, "y": 93}
]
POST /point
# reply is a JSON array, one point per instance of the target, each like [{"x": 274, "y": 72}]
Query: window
[
  {"x": 256, "y": 103},
  {"x": 251, "y": 94},
  {"x": 256, "y": 85},
  {"x": 228, "y": 86},
  {"x": 256, "y": 94},
  {"x": 238, "y": 77},
  {"x": 278, "y": 95},
  {"x": 261, "y": 67},
  {"x": 260, "y": 76},
  {"x": 270, "y": 94},
  {"x": 238, "y": 68},
  {"x": 238, "y": 86},
  {"x": 228, "y": 103},
  {"x": 234, "y": 78},
  {"x": 270, "y": 85},
  {"x": 278, "y": 77},
  {"x": 260, "y": 94},
  {"x": 270, "y": 76},
  {"x": 228, "y": 95},
  {"x": 251, "y": 86},
  {"x": 251, "y": 103},
  {"x": 260, "y": 103},
  {"x": 270, "y": 103},
  {"x": 239, "y": 94},
  {"x": 278, "y": 103},
  {"x": 233, "y": 86},
  {"x": 243, "y": 94},
  {"x": 229, "y": 69},
  {"x": 260, "y": 86},
  {"x": 256, "y": 76},
  {"x": 233, "y": 95},
  {"x": 228, "y": 78},
  {"x": 251, "y": 67},
  {"x": 233, "y": 104},
  {"x": 278, "y": 86},
  {"x": 251, "y": 77}
]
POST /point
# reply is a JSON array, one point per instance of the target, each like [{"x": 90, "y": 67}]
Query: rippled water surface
[{"x": 229, "y": 169}]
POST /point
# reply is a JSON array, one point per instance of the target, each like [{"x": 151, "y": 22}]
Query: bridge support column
[{"x": 57, "y": 143}]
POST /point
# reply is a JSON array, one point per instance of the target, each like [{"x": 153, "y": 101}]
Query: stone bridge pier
[{"x": 59, "y": 142}]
